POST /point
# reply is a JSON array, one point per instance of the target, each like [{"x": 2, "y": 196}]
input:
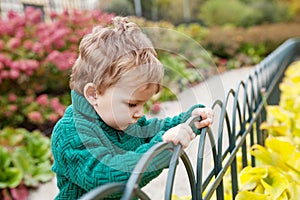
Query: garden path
[{"x": 205, "y": 92}]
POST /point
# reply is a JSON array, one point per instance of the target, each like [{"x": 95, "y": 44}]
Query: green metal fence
[{"x": 239, "y": 119}]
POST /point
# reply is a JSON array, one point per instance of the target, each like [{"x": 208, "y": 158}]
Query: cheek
[{"x": 121, "y": 112}]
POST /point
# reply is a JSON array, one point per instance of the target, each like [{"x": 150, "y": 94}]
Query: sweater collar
[{"x": 82, "y": 106}]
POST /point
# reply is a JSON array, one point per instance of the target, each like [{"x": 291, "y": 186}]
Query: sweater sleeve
[{"x": 151, "y": 127}]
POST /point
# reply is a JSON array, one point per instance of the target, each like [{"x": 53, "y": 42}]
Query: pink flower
[
  {"x": 59, "y": 43},
  {"x": 53, "y": 15},
  {"x": 37, "y": 48},
  {"x": 55, "y": 103},
  {"x": 33, "y": 64},
  {"x": 2, "y": 44},
  {"x": 14, "y": 43},
  {"x": 6, "y": 28},
  {"x": 223, "y": 61},
  {"x": 12, "y": 97},
  {"x": 35, "y": 116},
  {"x": 33, "y": 15},
  {"x": 57, "y": 106},
  {"x": 8, "y": 113},
  {"x": 43, "y": 100},
  {"x": 12, "y": 15},
  {"x": 62, "y": 60},
  {"x": 29, "y": 99},
  {"x": 73, "y": 38},
  {"x": 28, "y": 44},
  {"x": 4, "y": 74},
  {"x": 14, "y": 74},
  {"x": 13, "y": 108},
  {"x": 53, "y": 117},
  {"x": 6, "y": 61},
  {"x": 20, "y": 33},
  {"x": 155, "y": 108}
]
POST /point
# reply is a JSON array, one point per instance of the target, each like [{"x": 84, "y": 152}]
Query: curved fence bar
[
  {"x": 239, "y": 119},
  {"x": 132, "y": 184},
  {"x": 104, "y": 191},
  {"x": 171, "y": 172}
]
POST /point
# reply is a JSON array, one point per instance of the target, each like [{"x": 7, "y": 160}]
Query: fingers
[
  {"x": 180, "y": 134},
  {"x": 207, "y": 116},
  {"x": 203, "y": 123}
]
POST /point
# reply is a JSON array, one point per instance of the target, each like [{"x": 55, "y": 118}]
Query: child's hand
[
  {"x": 206, "y": 114},
  {"x": 180, "y": 134}
]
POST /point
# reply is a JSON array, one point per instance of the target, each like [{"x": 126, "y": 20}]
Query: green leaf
[
  {"x": 42, "y": 172},
  {"x": 4, "y": 158},
  {"x": 30, "y": 181},
  {"x": 38, "y": 146},
  {"x": 287, "y": 151},
  {"x": 11, "y": 136},
  {"x": 266, "y": 157},
  {"x": 22, "y": 160},
  {"x": 250, "y": 177},
  {"x": 11, "y": 177},
  {"x": 275, "y": 183}
]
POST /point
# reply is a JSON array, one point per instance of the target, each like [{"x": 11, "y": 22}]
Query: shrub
[
  {"x": 244, "y": 13},
  {"x": 277, "y": 174},
  {"x": 35, "y": 62},
  {"x": 218, "y": 12},
  {"x": 119, "y": 7},
  {"x": 255, "y": 42}
]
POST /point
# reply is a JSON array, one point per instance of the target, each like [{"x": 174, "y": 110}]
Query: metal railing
[{"x": 241, "y": 127}]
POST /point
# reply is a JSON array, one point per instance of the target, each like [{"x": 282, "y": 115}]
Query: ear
[{"x": 90, "y": 93}]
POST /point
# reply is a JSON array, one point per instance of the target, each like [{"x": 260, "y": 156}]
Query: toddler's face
[{"x": 122, "y": 105}]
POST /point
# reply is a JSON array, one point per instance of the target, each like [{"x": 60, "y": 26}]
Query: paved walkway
[{"x": 205, "y": 93}]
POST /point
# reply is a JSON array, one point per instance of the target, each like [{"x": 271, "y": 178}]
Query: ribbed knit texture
[{"x": 88, "y": 153}]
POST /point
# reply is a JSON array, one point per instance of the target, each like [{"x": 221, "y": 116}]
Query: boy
[{"x": 104, "y": 132}]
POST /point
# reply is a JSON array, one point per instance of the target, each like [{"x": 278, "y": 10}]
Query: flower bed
[{"x": 35, "y": 62}]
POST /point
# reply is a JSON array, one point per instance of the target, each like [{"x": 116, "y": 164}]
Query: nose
[{"x": 139, "y": 112}]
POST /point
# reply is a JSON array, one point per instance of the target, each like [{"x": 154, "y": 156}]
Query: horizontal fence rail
[{"x": 239, "y": 119}]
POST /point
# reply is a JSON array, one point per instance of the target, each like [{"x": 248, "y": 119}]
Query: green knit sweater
[{"x": 89, "y": 153}]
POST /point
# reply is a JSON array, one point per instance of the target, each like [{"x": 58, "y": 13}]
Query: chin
[{"x": 122, "y": 128}]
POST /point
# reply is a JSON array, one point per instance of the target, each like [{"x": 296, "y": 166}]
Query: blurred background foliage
[{"x": 209, "y": 12}]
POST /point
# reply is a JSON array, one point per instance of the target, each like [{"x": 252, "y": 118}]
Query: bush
[
  {"x": 25, "y": 162},
  {"x": 218, "y": 12},
  {"x": 119, "y": 7},
  {"x": 244, "y": 13},
  {"x": 255, "y": 42},
  {"x": 277, "y": 174},
  {"x": 35, "y": 62}
]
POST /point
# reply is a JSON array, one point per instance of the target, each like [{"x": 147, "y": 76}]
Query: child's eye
[{"x": 132, "y": 105}]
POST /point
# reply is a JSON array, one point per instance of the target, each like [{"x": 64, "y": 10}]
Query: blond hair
[{"x": 106, "y": 54}]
